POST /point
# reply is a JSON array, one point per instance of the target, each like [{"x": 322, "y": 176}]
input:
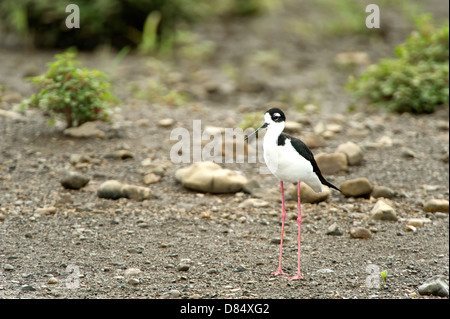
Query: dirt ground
[{"x": 194, "y": 245}]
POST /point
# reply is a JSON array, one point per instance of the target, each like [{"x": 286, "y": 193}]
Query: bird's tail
[{"x": 327, "y": 183}]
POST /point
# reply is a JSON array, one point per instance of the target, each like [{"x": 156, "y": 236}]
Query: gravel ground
[{"x": 60, "y": 243}]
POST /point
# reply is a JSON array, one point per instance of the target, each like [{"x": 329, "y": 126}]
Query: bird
[{"x": 290, "y": 160}]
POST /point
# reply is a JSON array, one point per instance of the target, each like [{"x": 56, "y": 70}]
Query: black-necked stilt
[{"x": 290, "y": 160}]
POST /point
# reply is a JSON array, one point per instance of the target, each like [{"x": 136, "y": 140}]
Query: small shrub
[
  {"x": 417, "y": 81},
  {"x": 76, "y": 94},
  {"x": 251, "y": 120}
]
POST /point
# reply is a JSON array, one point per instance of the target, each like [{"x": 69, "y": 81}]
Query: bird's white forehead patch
[{"x": 276, "y": 114}]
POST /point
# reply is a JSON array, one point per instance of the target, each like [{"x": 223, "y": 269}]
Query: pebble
[
  {"x": 314, "y": 141},
  {"x": 86, "y": 130},
  {"x": 130, "y": 272},
  {"x": 435, "y": 286},
  {"x": 382, "y": 211},
  {"x": 120, "y": 154},
  {"x": 360, "y": 232},
  {"x": 417, "y": 222},
  {"x": 74, "y": 180},
  {"x": 383, "y": 191},
  {"x": 408, "y": 153},
  {"x": 174, "y": 293},
  {"x": 253, "y": 202},
  {"x": 27, "y": 288},
  {"x": 113, "y": 189},
  {"x": 325, "y": 271},
  {"x": 166, "y": 122},
  {"x": 410, "y": 228},
  {"x": 352, "y": 151},
  {"x": 333, "y": 230},
  {"x": 133, "y": 281},
  {"x": 332, "y": 163},
  {"x": 436, "y": 205},
  {"x": 151, "y": 178},
  {"x": 46, "y": 210},
  {"x": 8, "y": 267},
  {"x": 358, "y": 187},
  {"x": 52, "y": 281},
  {"x": 183, "y": 267},
  {"x": 210, "y": 177}
]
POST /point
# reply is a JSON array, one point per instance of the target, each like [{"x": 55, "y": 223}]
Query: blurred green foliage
[
  {"x": 151, "y": 23},
  {"x": 76, "y": 94},
  {"x": 417, "y": 80}
]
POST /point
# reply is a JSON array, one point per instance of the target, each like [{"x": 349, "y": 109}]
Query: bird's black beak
[{"x": 262, "y": 126}]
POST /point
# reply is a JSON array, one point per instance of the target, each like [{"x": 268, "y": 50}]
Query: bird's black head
[{"x": 276, "y": 115}]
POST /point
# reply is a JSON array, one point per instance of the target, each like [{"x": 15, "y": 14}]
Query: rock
[
  {"x": 307, "y": 194},
  {"x": 120, "y": 154},
  {"x": 133, "y": 281},
  {"x": 436, "y": 205},
  {"x": 253, "y": 202},
  {"x": 382, "y": 211},
  {"x": 358, "y": 187},
  {"x": 435, "y": 286},
  {"x": 410, "y": 228},
  {"x": 383, "y": 191},
  {"x": 325, "y": 271},
  {"x": 113, "y": 189},
  {"x": 174, "y": 293},
  {"x": 314, "y": 141},
  {"x": 352, "y": 58},
  {"x": 352, "y": 151},
  {"x": 360, "y": 232},
  {"x": 86, "y": 130},
  {"x": 75, "y": 159},
  {"x": 27, "y": 288},
  {"x": 10, "y": 114},
  {"x": 46, "y": 210},
  {"x": 166, "y": 122},
  {"x": 333, "y": 230},
  {"x": 331, "y": 163},
  {"x": 52, "y": 281},
  {"x": 151, "y": 178},
  {"x": 292, "y": 127},
  {"x": 8, "y": 267},
  {"x": 11, "y": 97},
  {"x": 251, "y": 186},
  {"x": 417, "y": 222},
  {"x": 137, "y": 193},
  {"x": 408, "y": 153},
  {"x": 210, "y": 177},
  {"x": 131, "y": 272},
  {"x": 183, "y": 267},
  {"x": 74, "y": 180}
]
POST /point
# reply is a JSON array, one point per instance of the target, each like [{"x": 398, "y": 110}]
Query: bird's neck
[{"x": 273, "y": 132}]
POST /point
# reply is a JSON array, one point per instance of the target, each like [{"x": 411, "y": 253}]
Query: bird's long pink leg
[
  {"x": 283, "y": 217},
  {"x": 299, "y": 221}
]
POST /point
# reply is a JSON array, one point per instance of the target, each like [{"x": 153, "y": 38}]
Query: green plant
[
  {"x": 384, "y": 275},
  {"x": 252, "y": 120},
  {"x": 76, "y": 94},
  {"x": 417, "y": 80}
]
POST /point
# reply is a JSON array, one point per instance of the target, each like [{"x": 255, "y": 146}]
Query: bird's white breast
[{"x": 288, "y": 165}]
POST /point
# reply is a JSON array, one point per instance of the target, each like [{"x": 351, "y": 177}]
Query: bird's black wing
[{"x": 304, "y": 151}]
